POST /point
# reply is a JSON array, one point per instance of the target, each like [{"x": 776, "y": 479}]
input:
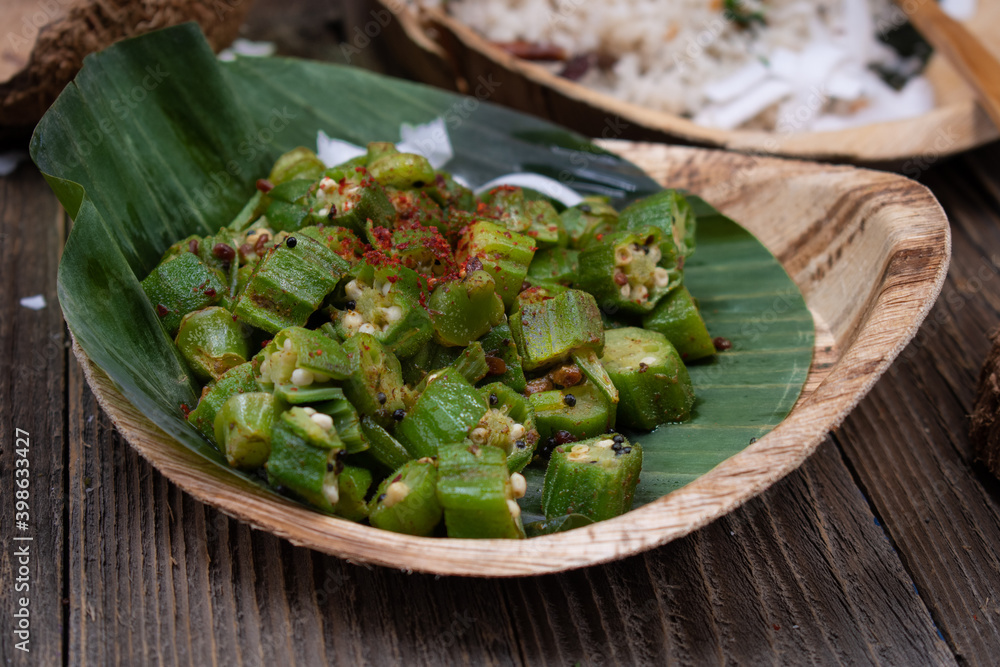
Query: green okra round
[
  {"x": 353, "y": 483},
  {"x": 211, "y": 342},
  {"x": 630, "y": 271},
  {"x": 595, "y": 478},
  {"x": 583, "y": 411},
  {"x": 677, "y": 318},
  {"x": 548, "y": 329},
  {"x": 446, "y": 410},
  {"x": 238, "y": 380},
  {"x": 477, "y": 493},
  {"x": 243, "y": 429},
  {"x": 502, "y": 358},
  {"x": 504, "y": 254},
  {"x": 464, "y": 310},
  {"x": 304, "y": 457},
  {"x": 406, "y": 501},
  {"x": 180, "y": 285},
  {"x": 401, "y": 170},
  {"x": 653, "y": 384},
  {"x": 670, "y": 212},
  {"x": 509, "y": 423},
  {"x": 375, "y": 387}
]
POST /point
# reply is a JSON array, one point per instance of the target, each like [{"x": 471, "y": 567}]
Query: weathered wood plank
[
  {"x": 908, "y": 441},
  {"x": 32, "y": 398}
]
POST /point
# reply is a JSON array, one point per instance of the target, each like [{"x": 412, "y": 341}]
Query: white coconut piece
[
  {"x": 547, "y": 186},
  {"x": 336, "y": 151},
  {"x": 429, "y": 139}
]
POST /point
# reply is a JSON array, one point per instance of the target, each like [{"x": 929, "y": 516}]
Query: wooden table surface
[{"x": 882, "y": 548}]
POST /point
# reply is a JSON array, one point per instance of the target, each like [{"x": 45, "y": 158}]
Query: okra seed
[
  {"x": 291, "y": 241},
  {"x": 287, "y": 346},
  {"x": 326, "y": 184},
  {"x": 569, "y": 399},
  {"x": 353, "y": 320},
  {"x": 517, "y": 432},
  {"x": 518, "y": 484},
  {"x": 351, "y": 305},
  {"x": 381, "y": 398},
  {"x": 324, "y": 212},
  {"x": 324, "y": 421},
  {"x": 395, "y": 492},
  {"x": 520, "y": 444},
  {"x": 605, "y": 444},
  {"x": 649, "y": 361},
  {"x": 661, "y": 276},
  {"x": 301, "y": 377},
  {"x": 367, "y": 328},
  {"x": 329, "y": 466},
  {"x": 309, "y": 411},
  {"x": 623, "y": 256},
  {"x": 619, "y": 438},
  {"x": 393, "y": 314},
  {"x": 627, "y": 450},
  {"x": 399, "y": 414},
  {"x": 515, "y": 509},
  {"x": 641, "y": 293},
  {"x": 386, "y": 288},
  {"x": 493, "y": 399},
  {"x": 626, "y": 291},
  {"x": 478, "y": 435},
  {"x": 583, "y": 449},
  {"x": 655, "y": 254},
  {"x": 353, "y": 289},
  {"x": 332, "y": 491},
  {"x": 617, "y": 447}
]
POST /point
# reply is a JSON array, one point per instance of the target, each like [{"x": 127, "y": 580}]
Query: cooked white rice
[{"x": 807, "y": 69}]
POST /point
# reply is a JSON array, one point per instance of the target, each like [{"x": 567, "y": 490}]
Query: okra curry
[{"x": 383, "y": 345}]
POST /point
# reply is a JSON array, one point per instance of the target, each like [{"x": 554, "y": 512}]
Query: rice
[{"x": 807, "y": 67}]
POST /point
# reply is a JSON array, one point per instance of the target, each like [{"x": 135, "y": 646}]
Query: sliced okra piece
[
  {"x": 353, "y": 484},
  {"x": 595, "y": 478},
  {"x": 289, "y": 284},
  {"x": 403, "y": 171},
  {"x": 630, "y": 271},
  {"x": 289, "y": 205},
  {"x": 375, "y": 387},
  {"x": 506, "y": 204},
  {"x": 548, "y": 330},
  {"x": 385, "y": 303},
  {"x": 415, "y": 207},
  {"x": 349, "y": 198},
  {"x": 180, "y": 285},
  {"x": 346, "y": 422},
  {"x": 504, "y": 254},
  {"x": 298, "y": 163},
  {"x": 509, "y": 424},
  {"x": 502, "y": 359},
  {"x": 211, "y": 342},
  {"x": 592, "y": 218},
  {"x": 238, "y": 380},
  {"x": 304, "y": 358},
  {"x": 295, "y": 395},
  {"x": 384, "y": 449},
  {"x": 545, "y": 225},
  {"x": 469, "y": 361},
  {"x": 341, "y": 240},
  {"x": 305, "y": 457},
  {"x": 464, "y": 310},
  {"x": 581, "y": 411},
  {"x": 243, "y": 429},
  {"x": 478, "y": 495},
  {"x": 445, "y": 411},
  {"x": 406, "y": 501},
  {"x": 449, "y": 193},
  {"x": 651, "y": 378},
  {"x": 420, "y": 248},
  {"x": 557, "y": 266},
  {"x": 590, "y": 365},
  {"x": 670, "y": 212},
  {"x": 677, "y": 318}
]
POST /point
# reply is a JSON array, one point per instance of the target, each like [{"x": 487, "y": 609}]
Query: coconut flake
[
  {"x": 547, "y": 186},
  {"x": 727, "y": 89},
  {"x": 430, "y": 140},
  {"x": 732, "y": 115},
  {"x": 36, "y": 302},
  {"x": 246, "y": 47},
  {"x": 336, "y": 151}
]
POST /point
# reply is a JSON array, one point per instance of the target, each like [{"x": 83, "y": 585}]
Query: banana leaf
[{"x": 156, "y": 140}]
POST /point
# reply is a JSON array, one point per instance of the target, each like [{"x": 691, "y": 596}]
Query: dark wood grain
[
  {"x": 908, "y": 442},
  {"x": 804, "y": 572},
  {"x": 33, "y": 361}
]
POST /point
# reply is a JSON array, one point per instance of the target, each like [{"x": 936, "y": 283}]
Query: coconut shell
[
  {"x": 985, "y": 429},
  {"x": 48, "y": 39}
]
